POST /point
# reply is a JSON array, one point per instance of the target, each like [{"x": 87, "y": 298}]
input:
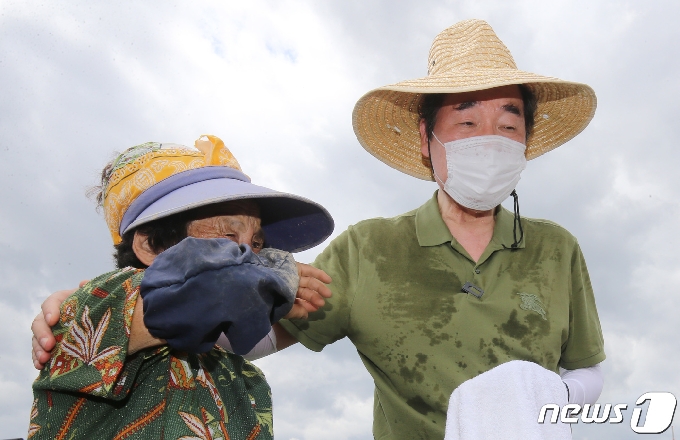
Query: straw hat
[
  {"x": 154, "y": 180},
  {"x": 466, "y": 57}
]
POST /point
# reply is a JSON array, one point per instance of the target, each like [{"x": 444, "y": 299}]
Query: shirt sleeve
[
  {"x": 340, "y": 260},
  {"x": 92, "y": 339},
  {"x": 585, "y": 344}
]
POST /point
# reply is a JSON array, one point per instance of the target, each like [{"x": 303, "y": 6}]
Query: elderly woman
[{"x": 204, "y": 248}]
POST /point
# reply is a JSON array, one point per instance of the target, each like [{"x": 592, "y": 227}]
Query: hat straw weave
[{"x": 466, "y": 57}]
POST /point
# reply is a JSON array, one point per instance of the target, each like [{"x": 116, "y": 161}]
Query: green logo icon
[{"x": 532, "y": 303}]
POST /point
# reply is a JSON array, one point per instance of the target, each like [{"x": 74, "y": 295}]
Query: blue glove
[{"x": 199, "y": 288}]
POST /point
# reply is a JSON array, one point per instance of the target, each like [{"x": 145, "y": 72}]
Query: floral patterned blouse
[{"x": 92, "y": 389}]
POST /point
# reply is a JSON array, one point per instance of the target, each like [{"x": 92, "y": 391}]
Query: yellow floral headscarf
[{"x": 142, "y": 166}]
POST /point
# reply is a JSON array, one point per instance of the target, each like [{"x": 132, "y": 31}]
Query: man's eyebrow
[
  {"x": 512, "y": 108},
  {"x": 465, "y": 105}
]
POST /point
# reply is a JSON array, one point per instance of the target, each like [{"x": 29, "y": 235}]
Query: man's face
[
  {"x": 238, "y": 221},
  {"x": 498, "y": 111}
]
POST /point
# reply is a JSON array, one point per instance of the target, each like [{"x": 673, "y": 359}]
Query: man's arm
[
  {"x": 283, "y": 338},
  {"x": 310, "y": 297},
  {"x": 277, "y": 339},
  {"x": 311, "y": 292},
  {"x": 584, "y": 384}
]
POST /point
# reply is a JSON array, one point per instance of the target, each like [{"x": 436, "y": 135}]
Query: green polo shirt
[{"x": 397, "y": 294}]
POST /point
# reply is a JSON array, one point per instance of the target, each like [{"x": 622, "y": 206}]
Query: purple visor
[{"x": 290, "y": 223}]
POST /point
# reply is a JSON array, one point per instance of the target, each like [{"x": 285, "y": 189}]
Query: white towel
[{"x": 505, "y": 402}]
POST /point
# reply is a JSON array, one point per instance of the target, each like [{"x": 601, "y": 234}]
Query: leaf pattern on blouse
[{"x": 83, "y": 342}]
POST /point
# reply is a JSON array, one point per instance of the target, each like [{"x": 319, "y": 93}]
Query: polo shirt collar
[
  {"x": 432, "y": 231},
  {"x": 430, "y": 227}
]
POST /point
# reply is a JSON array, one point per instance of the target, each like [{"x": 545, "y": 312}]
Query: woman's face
[{"x": 238, "y": 221}]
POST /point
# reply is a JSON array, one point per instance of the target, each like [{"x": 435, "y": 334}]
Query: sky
[{"x": 277, "y": 81}]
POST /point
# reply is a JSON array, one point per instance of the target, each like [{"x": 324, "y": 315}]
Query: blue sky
[{"x": 277, "y": 81}]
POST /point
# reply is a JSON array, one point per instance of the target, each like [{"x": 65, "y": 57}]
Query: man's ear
[
  {"x": 141, "y": 248},
  {"x": 425, "y": 151}
]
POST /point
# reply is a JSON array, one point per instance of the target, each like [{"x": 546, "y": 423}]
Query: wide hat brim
[
  {"x": 290, "y": 222},
  {"x": 386, "y": 120},
  {"x": 466, "y": 57}
]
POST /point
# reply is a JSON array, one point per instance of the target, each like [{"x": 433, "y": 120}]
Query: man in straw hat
[
  {"x": 436, "y": 296},
  {"x": 439, "y": 295},
  {"x": 198, "y": 247}
]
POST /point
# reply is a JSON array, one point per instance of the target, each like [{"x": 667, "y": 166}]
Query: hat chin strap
[{"x": 517, "y": 221}]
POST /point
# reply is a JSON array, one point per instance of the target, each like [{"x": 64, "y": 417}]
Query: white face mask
[{"x": 482, "y": 170}]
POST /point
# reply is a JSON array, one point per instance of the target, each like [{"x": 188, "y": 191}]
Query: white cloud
[{"x": 303, "y": 410}]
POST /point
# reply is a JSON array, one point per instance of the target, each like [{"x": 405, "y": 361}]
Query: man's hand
[
  {"x": 43, "y": 339},
  {"x": 311, "y": 291}
]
